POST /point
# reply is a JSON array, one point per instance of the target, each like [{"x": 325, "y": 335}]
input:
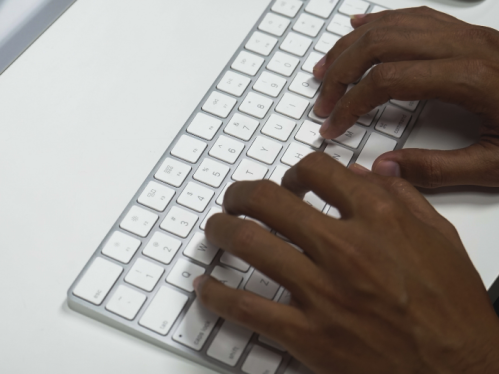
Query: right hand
[{"x": 418, "y": 54}]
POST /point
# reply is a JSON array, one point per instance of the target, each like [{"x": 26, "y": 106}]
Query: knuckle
[
  {"x": 480, "y": 35},
  {"x": 399, "y": 184},
  {"x": 393, "y": 17},
  {"x": 375, "y": 37},
  {"x": 433, "y": 168},
  {"x": 384, "y": 75},
  {"x": 385, "y": 206}
]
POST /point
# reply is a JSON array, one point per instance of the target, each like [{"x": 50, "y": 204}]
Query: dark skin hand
[
  {"x": 388, "y": 288},
  {"x": 417, "y": 54}
]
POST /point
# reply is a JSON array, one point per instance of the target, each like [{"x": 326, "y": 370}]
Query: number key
[
  {"x": 226, "y": 149},
  {"x": 179, "y": 222},
  {"x": 195, "y": 197},
  {"x": 211, "y": 172}
]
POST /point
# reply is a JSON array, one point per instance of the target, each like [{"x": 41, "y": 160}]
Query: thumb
[{"x": 476, "y": 165}]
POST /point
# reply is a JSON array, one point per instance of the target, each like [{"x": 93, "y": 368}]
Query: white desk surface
[{"x": 85, "y": 114}]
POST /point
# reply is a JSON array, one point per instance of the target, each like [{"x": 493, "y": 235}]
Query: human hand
[
  {"x": 417, "y": 54},
  {"x": 388, "y": 288}
]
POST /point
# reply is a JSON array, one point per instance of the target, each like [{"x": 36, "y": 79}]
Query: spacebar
[{"x": 375, "y": 147}]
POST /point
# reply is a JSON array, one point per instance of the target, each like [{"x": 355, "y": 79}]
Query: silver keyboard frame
[{"x": 132, "y": 327}]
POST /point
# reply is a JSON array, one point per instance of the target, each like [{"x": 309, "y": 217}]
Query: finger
[
  {"x": 331, "y": 181},
  {"x": 448, "y": 80},
  {"x": 414, "y": 201},
  {"x": 362, "y": 19},
  {"x": 278, "y": 208},
  {"x": 378, "y": 45},
  {"x": 392, "y": 19},
  {"x": 281, "y": 323},
  {"x": 476, "y": 165},
  {"x": 266, "y": 252}
]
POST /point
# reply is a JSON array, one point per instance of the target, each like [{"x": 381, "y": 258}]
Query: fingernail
[
  {"x": 325, "y": 126},
  {"x": 198, "y": 283},
  {"x": 358, "y": 16},
  {"x": 388, "y": 169},
  {"x": 321, "y": 63}
]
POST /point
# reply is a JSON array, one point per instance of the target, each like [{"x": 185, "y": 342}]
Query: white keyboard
[{"x": 255, "y": 122}]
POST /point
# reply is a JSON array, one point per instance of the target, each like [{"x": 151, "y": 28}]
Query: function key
[
  {"x": 121, "y": 247},
  {"x": 204, "y": 126},
  {"x": 296, "y": 44},
  {"x": 234, "y": 83},
  {"x": 340, "y": 25},
  {"x": 219, "y": 104},
  {"x": 288, "y": 8},
  {"x": 189, "y": 149},
  {"x": 156, "y": 196},
  {"x": 139, "y": 221}
]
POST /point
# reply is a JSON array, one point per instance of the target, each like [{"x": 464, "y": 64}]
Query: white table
[{"x": 85, "y": 114}]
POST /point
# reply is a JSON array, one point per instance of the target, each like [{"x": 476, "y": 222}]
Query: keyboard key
[
  {"x": 126, "y": 302},
  {"x": 351, "y": 7},
  {"x": 262, "y": 285},
  {"x": 261, "y": 43},
  {"x": 247, "y": 63},
  {"x": 249, "y": 171},
  {"x": 340, "y": 154},
  {"x": 219, "y": 104},
  {"x": 274, "y": 24},
  {"x": 288, "y": 8},
  {"x": 226, "y": 276},
  {"x": 278, "y": 174},
  {"x": 296, "y": 44},
  {"x": 234, "y": 262},
  {"x": 183, "y": 274},
  {"x": 305, "y": 84},
  {"x": 271, "y": 343},
  {"x": 196, "y": 326},
  {"x": 393, "y": 121},
  {"x": 179, "y": 222},
  {"x": 156, "y": 196},
  {"x": 326, "y": 42},
  {"x": 163, "y": 310},
  {"x": 264, "y": 150},
  {"x": 314, "y": 201},
  {"x": 144, "y": 274},
  {"x": 308, "y": 25},
  {"x": 162, "y": 248},
  {"x": 315, "y": 117},
  {"x": 285, "y": 298},
  {"x": 200, "y": 249},
  {"x": 220, "y": 198},
  {"x": 352, "y": 137},
  {"x": 283, "y": 63},
  {"x": 242, "y": 127},
  {"x": 279, "y": 127},
  {"x": 321, "y": 8},
  {"x": 189, "y": 149},
  {"x": 211, "y": 172},
  {"x": 367, "y": 119},
  {"x": 121, "y": 247},
  {"x": 295, "y": 153},
  {"x": 312, "y": 60},
  {"x": 270, "y": 84},
  {"x": 375, "y": 147},
  {"x": 173, "y": 172},
  {"x": 292, "y": 106},
  {"x": 378, "y": 9},
  {"x": 340, "y": 25},
  {"x": 256, "y": 105},
  {"x": 261, "y": 360},
  {"x": 195, "y": 197},
  {"x": 309, "y": 134},
  {"x": 212, "y": 212},
  {"x": 233, "y": 83},
  {"x": 139, "y": 221},
  {"x": 409, "y": 105},
  {"x": 333, "y": 212},
  {"x": 97, "y": 281},
  {"x": 204, "y": 126},
  {"x": 226, "y": 149},
  {"x": 229, "y": 344}
]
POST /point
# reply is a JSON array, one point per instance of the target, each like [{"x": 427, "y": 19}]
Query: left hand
[{"x": 388, "y": 288}]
